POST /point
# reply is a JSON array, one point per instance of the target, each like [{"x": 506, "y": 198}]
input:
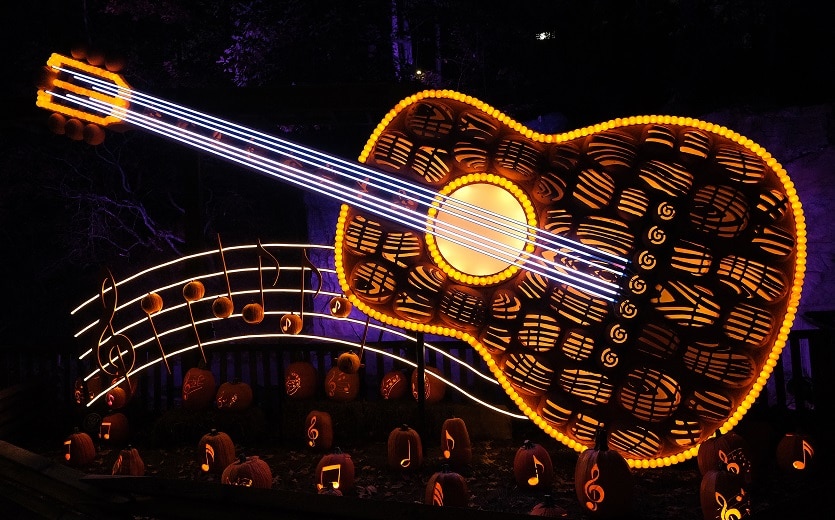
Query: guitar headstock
[{"x": 82, "y": 92}]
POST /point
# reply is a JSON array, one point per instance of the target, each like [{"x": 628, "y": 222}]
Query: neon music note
[
  {"x": 193, "y": 291},
  {"x": 534, "y": 480},
  {"x": 312, "y": 432},
  {"x": 594, "y": 492},
  {"x": 405, "y": 463},
  {"x": 330, "y": 469},
  {"x": 801, "y": 464},
  {"x": 121, "y": 354},
  {"x": 292, "y": 323},
  {"x": 450, "y": 444},
  {"x": 253, "y": 313},
  {"x": 210, "y": 458},
  {"x": 104, "y": 430},
  {"x": 152, "y": 303},
  {"x": 223, "y": 306},
  {"x": 68, "y": 444}
]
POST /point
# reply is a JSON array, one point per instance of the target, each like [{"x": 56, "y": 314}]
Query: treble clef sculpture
[{"x": 115, "y": 353}]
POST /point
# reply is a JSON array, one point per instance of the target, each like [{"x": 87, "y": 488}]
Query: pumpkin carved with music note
[
  {"x": 128, "y": 462},
  {"x": 446, "y": 488},
  {"x": 251, "y": 471},
  {"x": 319, "y": 430},
  {"x": 404, "y": 449},
  {"x": 215, "y": 451},
  {"x": 341, "y": 386},
  {"x": 335, "y": 469},
  {"x": 730, "y": 451},
  {"x": 532, "y": 466},
  {"x": 114, "y": 428},
  {"x": 393, "y": 386},
  {"x": 80, "y": 449},
  {"x": 722, "y": 496},
  {"x": 300, "y": 380},
  {"x": 434, "y": 388},
  {"x": 456, "y": 447},
  {"x": 199, "y": 388},
  {"x": 234, "y": 395},
  {"x": 796, "y": 453},
  {"x": 603, "y": 481}
]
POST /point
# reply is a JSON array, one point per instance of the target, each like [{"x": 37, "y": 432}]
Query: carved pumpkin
[
  {"x": 114, "y": 428},
  {"x": 602, "y": 480},
  {"x": 215, "y": 451},
  {"x": 341, "y": 386},
  {"x": 722, "y": 495},
  {"x": 796, "y": 453},
  {"x": 234, "y": 395},
  {"x": 349, "y": 362},
  {"x": 548, "y": 508},
  {"x": 80, "y": 449},
  {"x": 446, "y": 488},
  {"x": 393, "y": 385},
  {"x": 455, "y": 443},
  {"x": 319, "y": 430},
  {"x": 729, "y": 450},
  {"x": 339, "y": 306},
  {"x": 128, "y": 463},
  {"x": 300, "y": 380},
  {"x": 532, "y": 466},
  {"x": 404, "y": 449},
  {"x": 434, "y": 388},
  {"x": 336, "y": 470},
  {"x": 116, "y": 398},
  {"x": 199, "y": 388},
  {"x": 249, "y": 472}
]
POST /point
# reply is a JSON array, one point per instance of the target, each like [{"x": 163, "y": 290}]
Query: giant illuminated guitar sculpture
[{"x": 640, "y": 275}]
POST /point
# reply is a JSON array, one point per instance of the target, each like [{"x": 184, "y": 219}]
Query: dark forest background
[{"x": 324, "y": 73}]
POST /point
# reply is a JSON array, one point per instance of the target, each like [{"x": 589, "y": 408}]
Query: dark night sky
[{"x": 607, "y": 59}]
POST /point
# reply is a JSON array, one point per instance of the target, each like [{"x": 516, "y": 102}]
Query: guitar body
[{"x": 708, "y": 223}]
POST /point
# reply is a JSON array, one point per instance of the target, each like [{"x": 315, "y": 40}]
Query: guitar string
[
  {"x": 292, "y": 175},
  {"x": 154, "y": 125}
]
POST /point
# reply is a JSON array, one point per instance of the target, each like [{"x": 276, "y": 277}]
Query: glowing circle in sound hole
[{"x": 486, "y": 234}]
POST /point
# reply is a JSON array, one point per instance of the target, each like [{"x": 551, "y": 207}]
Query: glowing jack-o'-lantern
[
  {"x": 446, "y": 488},
  {"x": 199, "y": 388},
  {"x": 128, "y": 462},
  {"x": 248, "y": 472},
  {"x": 602, "y": 480},
  {"x": 340, "y": 306},
  {"x": 114, "y": 428},
  {"x": 393, "y": 385},
  {"x": 341, "y": 386},
  {"x": 730, "y": 451},
  {"x": 215, "y": 451},
  {"x": 234, "y": 395},
  {"x": 455, "y": 442},
  {"x": 722, "y": 496},
  {"x": 300, "y": 380},
  {"x": 532, "y": 466},
  {"x": 80, "y": 449},
  {"x": 796, "y": 453},
  {"x": 335, "y": 470},
  {"x": 404, "y": 449},
  {"x": 434, "y": 388},
  {"x": 319, "y": 430}
]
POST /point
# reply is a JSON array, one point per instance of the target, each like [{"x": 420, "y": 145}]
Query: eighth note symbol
[
  {"x": 450, "y": 444},
  {"x": 534, "y": 480},
  {"x": 210, "y": 454}
]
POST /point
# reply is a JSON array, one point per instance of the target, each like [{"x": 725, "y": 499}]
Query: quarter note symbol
[
  {"x": 210, "y": 458},
  {"x": 223, "y": 306},
  {"x": 534, "y": 480},
  {"x": 450, "y": 444}
]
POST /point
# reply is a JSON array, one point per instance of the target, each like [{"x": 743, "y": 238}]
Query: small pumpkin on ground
[
  {"x": 548, "y": 508},
  {"x": 603, "y": 481},
  {"x": 446, "y": 488},
  {"x": 335, "y": 469},
  {"x": 532, "y": 466},
  {"x": 249, "y": 472},
  {"x": 404, "y": 449},
  {"x": 129, "y": 462},
  {"x": 319, "y": 430},
  {"x": 455, "y": 443},
  {"x": 215, "y": 451},
  {"x": 80, "y": 449}
]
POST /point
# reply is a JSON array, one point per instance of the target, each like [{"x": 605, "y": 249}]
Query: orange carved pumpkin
[
  {"x": 114, "y": 428},
  {"x": 729, "y": 450},
  {"x": 215, "y": 451},
  {"x": 434, "y": 388},
  {"x": 446, "y": 488},
  {"x": 300, "y": 380},
  {"x": 393, "y": 385},
  {"x": 319, "y": 430},
  {"x": 80, "y": 449},
  {"x": 234, "y": 395},
  {"x": 404, "y": 449},
  {"x": 796, "y": 453},
  {"x": 341, "y": 386},
  {"x": 602, "y": 480},
  {"x": 532, "y": 466},
  {"x": 455, "y": 443},
  {"x": 722, "y": 495},
  {"x": 199, "y": 388},
  {"x": 249, "y": 472},
  {"x": 128, "y": 463},
  {"x": 335, "y": 470}
]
